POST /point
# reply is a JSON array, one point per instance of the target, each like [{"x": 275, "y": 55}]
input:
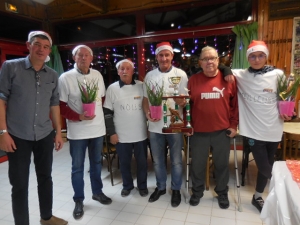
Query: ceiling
[{"x": 89, "y": 20}]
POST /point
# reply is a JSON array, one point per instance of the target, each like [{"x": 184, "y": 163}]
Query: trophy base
[
  {"x": 177, "y": 130},
  {"x": 173, "y": 125}
]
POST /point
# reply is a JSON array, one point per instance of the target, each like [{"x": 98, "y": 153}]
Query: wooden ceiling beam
[{"x": 101, "y": 10}]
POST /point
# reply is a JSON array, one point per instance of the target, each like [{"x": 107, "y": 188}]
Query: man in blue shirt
[{"x": 28, "y": 94}]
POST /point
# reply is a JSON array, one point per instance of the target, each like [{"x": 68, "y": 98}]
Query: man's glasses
[
  {"x": 254, "y": 57},
  {"x": 212, "y": 59}
]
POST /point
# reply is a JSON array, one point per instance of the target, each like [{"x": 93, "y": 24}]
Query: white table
[
  {"x": 282, "y": 206},
  {"x": 291, "y": 127}
]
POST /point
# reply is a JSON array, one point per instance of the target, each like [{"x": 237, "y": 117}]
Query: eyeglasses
[
  {"x": 254, "y": 57},
  {"x": 212, "y": 59}
]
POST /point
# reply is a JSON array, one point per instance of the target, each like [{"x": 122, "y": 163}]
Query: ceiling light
[
  {"x": 176, "y": 50},
  {"x": 11, "y": 8},
  {"x": 172, "y": 24}
]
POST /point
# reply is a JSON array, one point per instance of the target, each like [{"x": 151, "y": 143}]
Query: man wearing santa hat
[
  {"x": 85, "y": 132},
  {"x": 164, "y": 55},
  {"x": 28, "y": 93},
  {"x": 259, "y": 119},
  {"x": 126, "y": 125}
]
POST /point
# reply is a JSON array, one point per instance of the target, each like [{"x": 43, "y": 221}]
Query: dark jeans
[
  {"x": 263, "y": 153},
  {"x": 124, "y": 151},
  {"x": 18, "y": 171}
]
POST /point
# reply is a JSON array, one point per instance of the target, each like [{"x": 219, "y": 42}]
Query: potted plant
[
  {"x": 155, "y": 94},
  {"x": 88, "y": 90},
  {"x": 287, "y": 90}
]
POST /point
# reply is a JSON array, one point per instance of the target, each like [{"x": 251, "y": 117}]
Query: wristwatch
[{"x": 2, "y": 132}]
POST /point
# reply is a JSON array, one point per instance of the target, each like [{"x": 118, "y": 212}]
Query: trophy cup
[
  {"x": 176, "y": 124},
  {"x": 175, "y": 81}
]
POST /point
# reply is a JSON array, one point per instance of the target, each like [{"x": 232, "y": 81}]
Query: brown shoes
[{"x": 53, "y": 221}]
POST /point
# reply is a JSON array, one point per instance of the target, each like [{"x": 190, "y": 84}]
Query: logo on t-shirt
[{"x": 213, "y": 95}]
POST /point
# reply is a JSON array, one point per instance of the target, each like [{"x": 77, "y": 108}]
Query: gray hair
[{"x": 208, "y": 48}]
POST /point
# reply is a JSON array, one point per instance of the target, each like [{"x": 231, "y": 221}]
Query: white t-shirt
[
  {"x": 157, "y": 77},
  {"x": 258, "y": 111},
  {"x": 129, "y": 117},
  {"x": 70, "y": 93}
]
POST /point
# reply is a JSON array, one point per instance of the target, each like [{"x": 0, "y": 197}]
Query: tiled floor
[{"x": 133, "y": 209}]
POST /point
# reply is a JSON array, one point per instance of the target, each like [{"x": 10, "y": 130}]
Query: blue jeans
[
  {"x": 158, "y": 145},
  {"x": 77, "y": 151},
  {"x": 18, "y": 171},
  {"x": 124, "y": 151}
]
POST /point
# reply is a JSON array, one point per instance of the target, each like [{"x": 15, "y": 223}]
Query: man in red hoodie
[{"x": 214, "y": 112}]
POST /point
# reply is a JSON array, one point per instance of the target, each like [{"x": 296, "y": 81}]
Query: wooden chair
[
  {"x": 209, "y": 164},
  {"x": 109, "y": 152},
  {"x": 291, "y": 146}
]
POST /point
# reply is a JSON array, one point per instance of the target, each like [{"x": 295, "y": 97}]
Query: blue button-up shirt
[{"x": 29, "y": 94}]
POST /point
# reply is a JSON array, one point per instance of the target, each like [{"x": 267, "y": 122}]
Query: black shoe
[
  {"x": 125, "y": 192},
  {"x": 78, "y": 210},
  {"x": 102, "y": 198},
  {"x": 176, "y": 198},
  {"x": 194, "y": 200},
  {"x": 156, "y": 194},
  {"x": 258, "y": 203},
  {"x": 223, "y": 201},
  {"x": 143, "y": 192}
]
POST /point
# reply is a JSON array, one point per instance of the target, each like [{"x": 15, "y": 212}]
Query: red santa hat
[
  {"x": 163, "y": 46},
  {"x": 257, "y": 46}
]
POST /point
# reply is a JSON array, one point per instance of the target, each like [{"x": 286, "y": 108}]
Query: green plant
[
  {"x": 155, "y": 92},
  {"x": 286, "y": 89},
  {"x": 88, "y": 90}
]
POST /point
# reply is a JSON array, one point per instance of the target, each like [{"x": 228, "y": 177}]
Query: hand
[
  {"x": 189, "y": 134},
  {"x": 285, "y": 117},
  {"x": 58, "y": 142},
  {"x": 180, "y": 101},
  {"x": 229, "y": 78},
  {"x": 230, "y": 132},
  {"x": 7, "y": 144},
  {"x": 114, "y": 139},
  {"x": 84, "y": 117},
  {"x": 148, "y": 116}
]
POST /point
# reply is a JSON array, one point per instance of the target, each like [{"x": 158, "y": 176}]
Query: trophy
[
  {"x": 175, "y": 81},
  {"x": 177, "y": 123}
]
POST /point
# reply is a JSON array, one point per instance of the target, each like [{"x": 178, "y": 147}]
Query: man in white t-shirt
[
  {"x": 84, "y": 131},
  {"x": 158, "y": 139},
  {"x": 126, "y": 125}
]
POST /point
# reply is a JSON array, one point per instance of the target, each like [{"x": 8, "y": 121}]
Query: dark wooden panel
[{"x": 284, "y": 9}]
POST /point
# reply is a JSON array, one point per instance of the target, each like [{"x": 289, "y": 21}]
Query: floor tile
[{"x": 134, "y": 209}]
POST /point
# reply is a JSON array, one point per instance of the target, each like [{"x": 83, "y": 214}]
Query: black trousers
[
  {"x": 18, "y": 172},
  {"x": 263, "y": 153},
  {"x": 201, "y": 143}
]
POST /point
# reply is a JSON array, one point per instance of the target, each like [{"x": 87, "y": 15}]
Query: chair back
[{"x": 290, "y": 146}]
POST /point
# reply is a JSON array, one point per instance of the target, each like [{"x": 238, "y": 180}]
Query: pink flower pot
[
  {"x": 286, "y": 107},
  {"x": 156, "y": 111},
  {"x": 89, "y": 108}
]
